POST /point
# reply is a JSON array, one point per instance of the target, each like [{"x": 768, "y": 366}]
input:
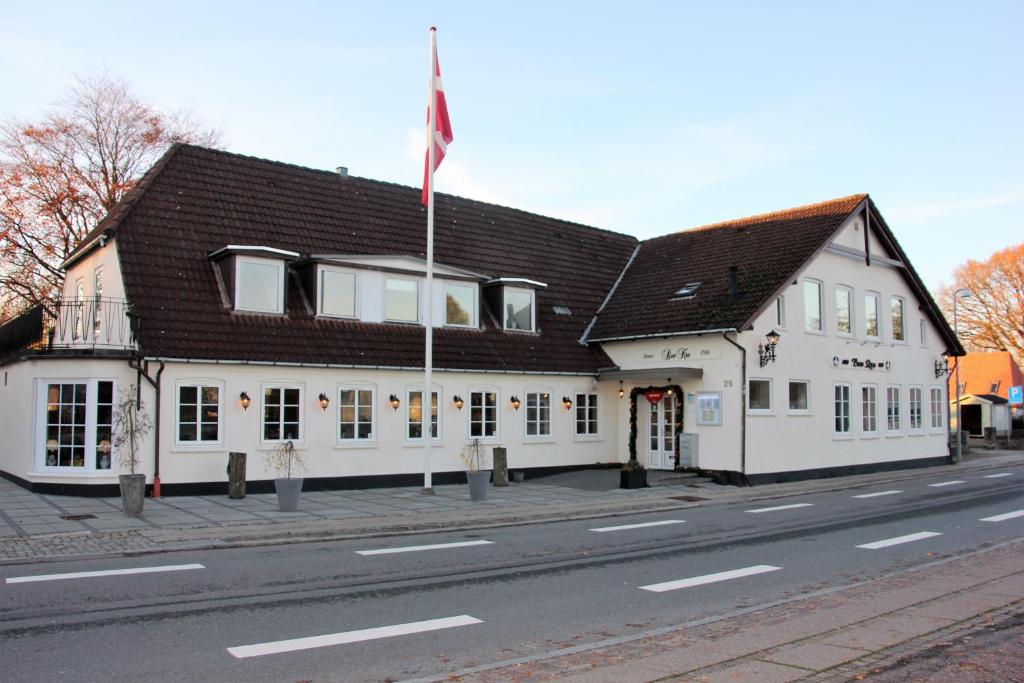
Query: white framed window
[
  {"x": 198, "y": 413},
  {"x": 842, "y": 408},
  {"x": 935, "y": 403},
  {"x": 897, "y": 313},
  {"x": 401, "y": 300},
  {"x": 337, "y": 289},
  {"x": 799, "y": 396},
  {"x": 79, "y": 314},
  {"x": 709, "y": 408},
  {"x": 813, "y": 318},
  {"x": 414, "y": 415},
  {"x": 869, "y": 408},
  {"x": 915, "y": 408},
  {"x": 356, "y": 414},
  {"x": 892, "y": 409},
  {"x": 780, "y": 313},
  {"x": 759, "y": 396},
  {"x": 538, "y": 414},
  {"x": 282, "y": 413},
  {"x": 483, "y": 414},
  {"x": 75, "y": 425},
  {"x": 586, "y": 414},
  {"x": 97, "y": 303},
  {"x": 519, "y": 309},
  {"x": 844, "y": 311},
  {"x": 460, "y": 305},
  {"x": 923, "y": 324},
  {"x": 259, "y": 284},
  {"x": 871, "y": 316}
]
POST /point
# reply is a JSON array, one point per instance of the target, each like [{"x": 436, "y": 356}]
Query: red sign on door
[{"x": 654, "y": 395}]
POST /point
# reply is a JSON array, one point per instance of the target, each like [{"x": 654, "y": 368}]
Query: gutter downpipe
[
  {"x": 743, "y": 408},
  {"x": 155, "y": 383}
]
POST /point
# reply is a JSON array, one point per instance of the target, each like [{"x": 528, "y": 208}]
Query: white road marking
[
  {"x": 781, "y": 507},
  {"x": 416, "y": 548},
  {"x": 996, "y": 476},
  {"x": 1003, "y": 517},
  {"x": 637, "y": 526},
  {"x": 311, "y": 642},
  {"x": 909, "y": 538},
  {"x": 948, "y": 483},
  {"x": 878, "y": 493},
  {"x": 709, "y": 578},
  {"x": 105, "y": 572}
]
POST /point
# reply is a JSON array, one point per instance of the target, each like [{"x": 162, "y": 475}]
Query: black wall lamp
[
  {"x": 514, "y": 402},
  {"x": 244, "y": 399},
  {"x": 458, "y": 402},
  {"x": 767, "y": 351},
  {"x": 324, "y": 401},
  {"x": 567, "y": 402},
  {"x": 669, "y": 392},
  {"x": 940, "y": 368},
  {"x": 622, "y": 392},
  {"x": 393, "y": 400}
]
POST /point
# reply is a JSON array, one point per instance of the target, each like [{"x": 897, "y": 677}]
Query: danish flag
[{"x": 441, "y": 134}]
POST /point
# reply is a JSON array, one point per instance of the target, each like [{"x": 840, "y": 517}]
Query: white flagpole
[{"x": 428, "y": 355}]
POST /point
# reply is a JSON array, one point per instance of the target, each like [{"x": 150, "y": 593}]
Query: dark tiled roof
[
  {"x": 198, "y": 200},
  {"x": 766, "y": 251}
]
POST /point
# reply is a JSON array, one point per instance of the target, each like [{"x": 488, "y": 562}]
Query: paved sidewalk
[
  {"x": 853, "y": 633},
  {"x": 38, "y": 527}
]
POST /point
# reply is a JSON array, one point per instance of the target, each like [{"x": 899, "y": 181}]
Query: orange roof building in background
[{"x": 989, "y": 373}]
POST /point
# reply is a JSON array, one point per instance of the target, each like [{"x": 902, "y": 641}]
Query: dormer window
[
  {"x": 337, "y": 293},
  {"x": 401, "y": 300},
  {"x": 688, "y": 291},
  {"x": 518, "y": 309},
  {"x": 259, "y": 285},
  {"x": 460, "y": 305}
]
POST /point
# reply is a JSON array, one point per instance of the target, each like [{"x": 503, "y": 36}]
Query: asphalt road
[{"x": 334, "y": 611}]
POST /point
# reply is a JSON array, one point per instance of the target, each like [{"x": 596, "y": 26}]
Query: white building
[{"x": 254, "y": 301}]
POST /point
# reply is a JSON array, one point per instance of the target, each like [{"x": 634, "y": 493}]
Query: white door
[{"x": 661, "y": 433}]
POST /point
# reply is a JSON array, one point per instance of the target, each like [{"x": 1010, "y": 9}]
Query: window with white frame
[
  {"x": 780, "y": 313},
  {"x": 923, "y": 324},
  {"x": 898, "y": 315},
  {"x": 799, "y": 395},
  {"x": 259, "y": 284},
  {"x": 538, "y": 413},
  {"x": 709, "y": 408},
  {"x": 812, "y": 306},
  {"x": 586, "y": 414},
  {"x": 915, "y": 408},
  {"x": 935, "y": 401},
  {"x": 842, "y": 408},
  {"x": 414, "y": 415},
  {"x": 282, "y": 413},
  {"x": 759, "y": 395},
  {"x": 337, "y": 293},
  {"x": 77, "y": 425},
  {"x": 844, "y": 310},
  {"x": 483, "y": 414},
  {"x": 355, "y": 414},
  {"x": 460, "y": 305},
  {"x": 518, "y": 309},
  {"x": 869, "y": 408},
  {"x": 401, "y": 300},
  {"x": 79, "y": 310},
  {"x": 97, "y": 307},
  {"x": 871, "y": 315},
  {"x": 892, "y": 408},
  {"x": 198, "y": 413}
]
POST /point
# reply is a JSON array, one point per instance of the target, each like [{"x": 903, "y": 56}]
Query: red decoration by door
[{"x": 654, "y": 395}]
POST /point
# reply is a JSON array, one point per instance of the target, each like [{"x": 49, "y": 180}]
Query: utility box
[
  {"x": 500, "y": 474},
  {"x": 688, "y": 450},
  {"x": 236, "y": 475}
]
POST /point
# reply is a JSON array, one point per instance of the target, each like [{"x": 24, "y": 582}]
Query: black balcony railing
[{"x": 96, "y": 323}]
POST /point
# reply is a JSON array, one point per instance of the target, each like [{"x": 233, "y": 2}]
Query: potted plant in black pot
[
  {"x": 476, "y": 474},
  {"x": 284, "y": 461},
  {"x": 633, "y": 475},
  {"x": 131, "y": 425}
]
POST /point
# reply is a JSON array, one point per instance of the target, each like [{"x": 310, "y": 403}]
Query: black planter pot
[{"x": 633, "y": 479}]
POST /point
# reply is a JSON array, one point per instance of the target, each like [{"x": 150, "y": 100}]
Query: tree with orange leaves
[
  {"x": 992, "y": 318},
  {"x": 60, "y": 176}
]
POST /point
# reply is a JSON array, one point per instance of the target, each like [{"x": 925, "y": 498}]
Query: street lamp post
[{"x": 966, "y": 293}]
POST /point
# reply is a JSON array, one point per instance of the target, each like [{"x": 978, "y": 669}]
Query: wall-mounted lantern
[
  {"x": 324, "y": 401},
  {"x": 766, "y": 352},
  {"x": 567, "y": 403},
  {"x": 940, "y": 368},
  {"x": 243, "y": 398},
  {"x": 458, "y": 402},
  {"x": 668, "y": 392},
  {"x": 514, "y": 402},
  {"x": 393, "y": 400},
  {"x": 622, "y": 392}
]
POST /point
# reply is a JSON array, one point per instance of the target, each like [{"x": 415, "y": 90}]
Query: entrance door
[
  {"x": 972, "y": 420},
  {"x": 661, "y": 432}
]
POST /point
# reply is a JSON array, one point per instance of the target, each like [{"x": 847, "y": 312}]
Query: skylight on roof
[
  {"x": 561, "y": 310},
  {"x": 688, "y": 291}
]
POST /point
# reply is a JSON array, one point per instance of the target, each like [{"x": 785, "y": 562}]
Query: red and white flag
[{"x": 441, "y": 135}]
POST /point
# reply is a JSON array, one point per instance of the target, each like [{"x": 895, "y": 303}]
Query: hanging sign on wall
[
  {"x": 654, "y": 395},
  {"x": 861, "y": 363}
]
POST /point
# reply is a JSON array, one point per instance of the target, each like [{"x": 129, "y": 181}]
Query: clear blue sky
[{"x": 641, "y": 117}]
